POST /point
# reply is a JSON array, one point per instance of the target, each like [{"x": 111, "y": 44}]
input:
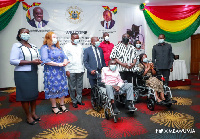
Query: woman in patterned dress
[
  {"x": 152, "y": 82},
  {"x": 55, "y": 79}
]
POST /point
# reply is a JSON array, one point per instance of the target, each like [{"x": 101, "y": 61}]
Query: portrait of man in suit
[
  {"x": 108, "y": 22},
  {"x": 38, "y": 21}
]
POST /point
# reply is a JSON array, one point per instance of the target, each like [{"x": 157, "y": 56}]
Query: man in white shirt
[{"x": 75, "y": 69}]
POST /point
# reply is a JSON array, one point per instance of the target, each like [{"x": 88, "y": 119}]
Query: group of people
[{"x": 64, "y": 68}]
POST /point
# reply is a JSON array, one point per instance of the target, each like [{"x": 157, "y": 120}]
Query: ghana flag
[
  {"x": 177, "y": 22},
  {"x": 7, "y": 11},
  {"x": 26, "y": 8}
]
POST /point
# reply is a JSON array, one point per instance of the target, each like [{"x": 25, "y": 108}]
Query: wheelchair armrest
[
  {"x": 101, "y": 84},
  {"x": 146, "y": 77}
]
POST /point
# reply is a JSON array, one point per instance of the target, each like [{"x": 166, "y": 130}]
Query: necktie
[
  {"x": 98, "y": 60},
  {"x": 107, "y": 25},
  {"x": 39, "y": 25}
]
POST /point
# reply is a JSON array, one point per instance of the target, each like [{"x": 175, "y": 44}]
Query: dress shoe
[
  {"x": 80, "y": 103},
  {"x": 174, "y": 101},
  {"x": 130, "y": 107},
  {"x": 75, "y": 105},
  {"x": 161, "y": 103}
]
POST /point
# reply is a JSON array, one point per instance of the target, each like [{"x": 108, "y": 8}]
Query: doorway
[{"x": 195, "y": 54}]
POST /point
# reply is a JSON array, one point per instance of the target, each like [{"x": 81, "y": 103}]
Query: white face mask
[
  {"x": 54, "y": 40},
  {"x": 25, "y": 36},
  {"x": 161, "y": 40},
  {"x": 138, "y": 45},
  {"x": 76, "y": 41},
  {"x": 113, "y": 67},
  {"x": 97, "y": 44},
  {"x": 106, "y": 38},
  {"x": 145, "y": 60}
]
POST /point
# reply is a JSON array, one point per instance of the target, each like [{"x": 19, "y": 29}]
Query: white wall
[{"x": 7, "y": 38}]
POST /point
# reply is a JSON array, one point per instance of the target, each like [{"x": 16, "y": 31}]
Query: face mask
[
  {"x": 76, "y": 41},
  {"x": 161, "y": 40},
  {"x": 145, "y": 60},
  {"x": 97, "y": 44},
  {"x": 125, "y": 40},
  {"x": 138, "y": 45},
  {"x": 25, "y": 36},
  {"x": 54, "y": 40},
  {"x": 107, "y": 38},
  {"x": 113, "y": 67}
]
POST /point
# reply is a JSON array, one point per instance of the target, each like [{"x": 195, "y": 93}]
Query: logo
[{"x": 74, "y": 14}]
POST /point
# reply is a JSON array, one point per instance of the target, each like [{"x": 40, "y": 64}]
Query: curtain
[
  {"x": 177, "y": 22},
  {"x": 7, "y": 11}
]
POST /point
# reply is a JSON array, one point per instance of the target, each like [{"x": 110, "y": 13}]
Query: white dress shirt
[
  {"x": 37, "y": 24},
  {"x": 105, "y": 22},
  {"x": 75, "y": 56}
]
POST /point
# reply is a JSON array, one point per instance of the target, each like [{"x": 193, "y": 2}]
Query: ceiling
[{"x": 153, "y": 2}]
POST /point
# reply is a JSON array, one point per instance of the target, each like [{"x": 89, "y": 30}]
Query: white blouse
[{"x": 20, "y": 52}]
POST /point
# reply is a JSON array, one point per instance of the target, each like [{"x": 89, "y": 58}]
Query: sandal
[
  {"x": 65, "y": 110},
  {"x": 58, "y": 112},
  {"x": 37, "y": 119},
  {"x": 31, "y": 123}
]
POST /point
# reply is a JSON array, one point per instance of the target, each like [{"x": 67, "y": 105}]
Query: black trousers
[
  {"x": 127, "y": 75},
  {"x": 165, "y": 73}
]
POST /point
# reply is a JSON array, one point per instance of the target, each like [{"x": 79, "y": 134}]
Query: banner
[{"x": 87, "y": 20}]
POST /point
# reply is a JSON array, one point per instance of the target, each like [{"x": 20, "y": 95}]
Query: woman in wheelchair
[
  {"x": 114, "y": 84},
  {"x": 153, "y": 82}
]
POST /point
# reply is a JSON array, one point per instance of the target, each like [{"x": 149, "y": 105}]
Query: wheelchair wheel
[
  {"x": 94, "y": 98},
  {"x": 115, "y": 119},
  {"x": 106, "y": 114},
  {"x": 136, "y": 95},
  {"x": 150, "y": 104}
]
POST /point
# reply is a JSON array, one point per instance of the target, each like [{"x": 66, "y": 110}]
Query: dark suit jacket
[
  {"x": 112, "y": 23},
  {"x": 32, "y": 23},
  {"x": 90, "y": 61},
  {"x": 162, "y": 56}
]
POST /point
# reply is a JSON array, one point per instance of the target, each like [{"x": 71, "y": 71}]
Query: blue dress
[{"x": 55, "y": 79}]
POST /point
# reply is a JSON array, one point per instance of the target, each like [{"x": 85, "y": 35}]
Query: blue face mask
[
  {"x": 161, "y": 40},
  {"x": 113, "y": 67},
  {"x": 138, "y": 45},
  {"x": 25, "y": 36},
  {"x": 97, "y": 44},
  {"x": 76, "y": 41},
  {"x": 145, "y": 60}
]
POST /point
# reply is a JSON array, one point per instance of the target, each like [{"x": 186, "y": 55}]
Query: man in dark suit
[
  {"x": 93, "y": 60},
  {"x": 38, "y": 21},
  {"x": 162, "y": 58},
  {"x": 108, "y": 22}
]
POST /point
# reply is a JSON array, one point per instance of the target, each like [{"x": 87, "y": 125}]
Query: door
[{"x": 195, "y": 54}]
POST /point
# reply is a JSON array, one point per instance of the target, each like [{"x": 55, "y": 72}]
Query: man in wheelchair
[{"x": 115, "y": 85}]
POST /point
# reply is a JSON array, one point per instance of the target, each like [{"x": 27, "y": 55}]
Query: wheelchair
[
  {"x": 141, "y": 90},
  {"x": 99, "y": 99}
]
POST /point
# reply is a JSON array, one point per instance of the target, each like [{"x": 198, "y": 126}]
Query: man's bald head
[
  {"x": 94, "y": 39},
  {"x": 38, "y": 14}
]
